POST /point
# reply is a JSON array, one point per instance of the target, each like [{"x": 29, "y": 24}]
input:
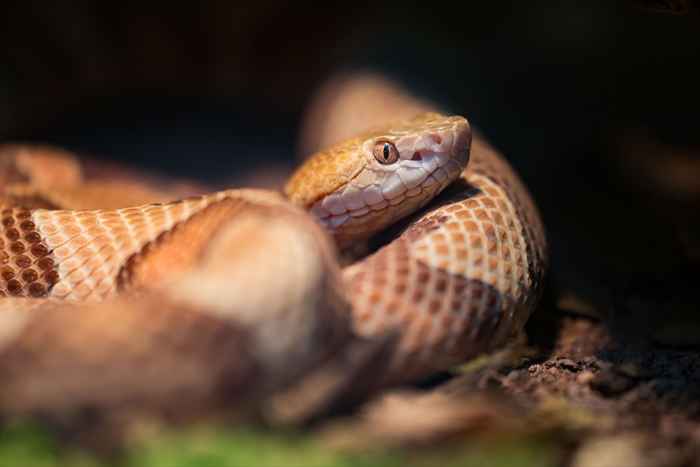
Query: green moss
[
  {"x": 29, "y": 445},
  {"x": 245, "y": 448},
  {"x": 24, "y": 445}
]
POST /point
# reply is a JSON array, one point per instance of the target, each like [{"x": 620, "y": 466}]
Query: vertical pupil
[{"x": 386, "y": 151}]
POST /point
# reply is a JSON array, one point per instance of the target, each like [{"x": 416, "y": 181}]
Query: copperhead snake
[{"x": 185, "y": 305}]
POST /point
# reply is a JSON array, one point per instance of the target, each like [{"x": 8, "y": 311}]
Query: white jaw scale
[{"x": 427, "y": 162}]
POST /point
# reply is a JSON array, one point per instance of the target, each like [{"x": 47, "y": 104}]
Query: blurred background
[{"x": 596, "y": 104}]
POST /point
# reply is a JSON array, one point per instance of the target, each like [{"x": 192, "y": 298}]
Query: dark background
[{"x": 595, "y": 103}]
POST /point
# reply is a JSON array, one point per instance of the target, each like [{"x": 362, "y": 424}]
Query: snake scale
[{"x": 181, "y": 306}]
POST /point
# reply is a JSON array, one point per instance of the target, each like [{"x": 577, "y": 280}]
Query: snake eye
[{"x": 385, "y": 152}]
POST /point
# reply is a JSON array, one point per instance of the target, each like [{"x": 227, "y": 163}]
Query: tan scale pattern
[
  {"x": 89, "y": 248},
  {"x": 461, "y": 278}
]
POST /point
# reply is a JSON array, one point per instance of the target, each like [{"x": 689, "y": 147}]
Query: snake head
[{"x": 360, "y": 186}]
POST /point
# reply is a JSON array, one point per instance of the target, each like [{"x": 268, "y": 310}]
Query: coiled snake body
[{"x": 185, "y": 305}]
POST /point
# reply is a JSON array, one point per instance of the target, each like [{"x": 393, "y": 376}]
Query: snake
[{"x": 121, "y": 299}]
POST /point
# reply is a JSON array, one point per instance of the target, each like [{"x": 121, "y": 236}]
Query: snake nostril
[
  {"x": 417, "y": 156},
  {"x": 436, "y": 138}
]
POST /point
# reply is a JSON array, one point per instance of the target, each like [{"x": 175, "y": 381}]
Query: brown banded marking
[
  {"x": 90, "y": 248},
  {"x": 27, "y": 267},
  {"x": 164, "y": 259}
]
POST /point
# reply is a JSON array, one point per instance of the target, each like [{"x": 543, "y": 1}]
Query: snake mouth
[{"x": 422, "y": 176}]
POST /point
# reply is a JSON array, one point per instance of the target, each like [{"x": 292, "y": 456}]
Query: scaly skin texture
[
  {"x": 116, "y": 318},
  {"x": 464, "y": 275},
  {"x": 460, "y": 278}
]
